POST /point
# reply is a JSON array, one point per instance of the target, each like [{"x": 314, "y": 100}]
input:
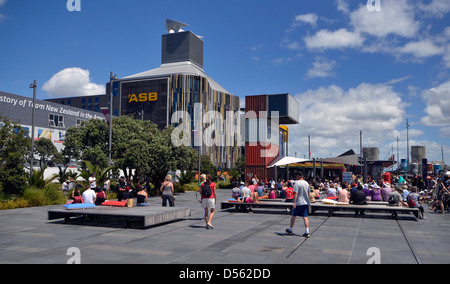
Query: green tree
[
  {"x": 207, "y": 167},
  {"x": 45, "y": 153},
  {"x": 88, "y": 142},
  {"x": 14, "y": 146},
  {"x": 139, "y": 148},
  {"x": 87, "y": 169}
]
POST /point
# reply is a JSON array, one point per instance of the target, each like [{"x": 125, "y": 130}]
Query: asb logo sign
[{"x": 142, "y": 97}]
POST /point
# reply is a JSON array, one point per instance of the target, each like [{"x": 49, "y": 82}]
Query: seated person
[
  {"x": 123, "y": 189},
  {"x": 260, "y": 189},
  {"x": 235, "y": 192},
  {"x": 101, "y": 196},
  {"x": 312, "y": 195},
  {"x": 289, "y": 192},
  {"x": 331, "y": 192},
  {"x": 396, "y": 199},
  {"x": 358, "y": 198},
  {"x": 253, "y": 198},
  {"x": 142, "y": 196}
]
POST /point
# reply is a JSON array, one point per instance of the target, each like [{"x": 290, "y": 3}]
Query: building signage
[
  {"x": 142, "y": 98},
  {"x": 146, "y": 100}
]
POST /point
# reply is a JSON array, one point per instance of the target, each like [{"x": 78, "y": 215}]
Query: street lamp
[
  {"x": 32, "y": 86},
  {"x": 112, "y": 77},
  {"x": 407, "y": 143}
]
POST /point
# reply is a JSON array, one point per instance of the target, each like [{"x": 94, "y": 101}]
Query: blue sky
[{"x": 350, "y": 67}]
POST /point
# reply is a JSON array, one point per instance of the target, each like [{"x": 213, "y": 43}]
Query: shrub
[
  {"x": 53, "y": 195},
  {"x": 34, "y": 196}
]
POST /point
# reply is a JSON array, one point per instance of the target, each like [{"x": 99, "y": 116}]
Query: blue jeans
[{"x": 170, "y": 198}]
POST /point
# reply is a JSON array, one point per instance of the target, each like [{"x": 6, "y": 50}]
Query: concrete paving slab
[{"x": 26, "y": 236}]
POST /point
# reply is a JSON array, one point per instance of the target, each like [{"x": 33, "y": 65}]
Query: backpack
[
  {"x": 206, "y": 190},
  {"x": 392, "y": 200},
  {"x": 411, "y": 202}
]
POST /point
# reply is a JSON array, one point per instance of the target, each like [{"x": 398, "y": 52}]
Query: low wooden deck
[{"x": 142, "y": 216}]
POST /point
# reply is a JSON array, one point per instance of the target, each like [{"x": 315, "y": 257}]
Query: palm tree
[
  {"x": 87, "y": 169},
  {"x": 37, "y": 179}
]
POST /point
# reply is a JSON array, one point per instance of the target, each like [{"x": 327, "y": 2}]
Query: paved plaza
[{"x": 27, "y": 236}]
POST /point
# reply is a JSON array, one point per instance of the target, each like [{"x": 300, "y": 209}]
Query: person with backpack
[
  {"x": 413, "y": 200},
  {"x": 208, "y": 192}
]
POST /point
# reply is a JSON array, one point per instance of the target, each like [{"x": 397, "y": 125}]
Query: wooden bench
[
  {"x": 394, "y": 210},
  {"x": 142, "y": 216},
  {"x": 269, "y": 205},
  {"x": 375, "y": 206}
]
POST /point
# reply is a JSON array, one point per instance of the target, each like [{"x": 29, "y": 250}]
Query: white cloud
[
  {"x": 421, "y": 49},
  {"x": 321, "y": 68},
  {"x": 438, "y": 106},
  {"x": 342, "y": 6},
  {"x": 325, "y": 39},
  {"x": 396, "y": 17},
  {"x": 334, "y": 116},
  {"x": 2, "y": 16},
  {"x": 310, "y": 18},
  {"x": 72, "y": 82},
  {"x": 437, "y": 8}
]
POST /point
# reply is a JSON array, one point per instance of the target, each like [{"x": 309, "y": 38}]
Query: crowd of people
[
  {"x": 408, "y": 191},
  {"x": 124, "y": 189},
  {"x": 399, "y": 190}
]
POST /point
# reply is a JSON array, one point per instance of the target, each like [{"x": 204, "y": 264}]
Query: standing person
[
  {"x": 202, "y": 180},
  {"x": 208, "y": 191},
  {"x": 167, "y": 192},
  {"x": 301, "y": 204},
  {"x": 93, "y": 181},
  {"x": 65, "y": 187},
  {"x": 443, "y": 194},
  {"x": 107, "y": 186}
]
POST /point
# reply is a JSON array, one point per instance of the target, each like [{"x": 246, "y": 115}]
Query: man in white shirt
[
  {"x": 89, "y": 196},
  {"x": 93, "y": 181},
  {"x": 301, "y": 204}
]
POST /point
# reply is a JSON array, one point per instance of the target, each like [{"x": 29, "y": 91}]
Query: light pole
[
  {"x": 398, "y": 157},
  {"x": 32, "y": 86},
  {"x": 112, "y": 77},
  {"x": 407, "y": 142}
]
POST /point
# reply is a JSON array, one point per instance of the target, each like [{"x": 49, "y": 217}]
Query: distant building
[
  {"x": 51, "y": 119},
  {"x": 174, "y": 93}
]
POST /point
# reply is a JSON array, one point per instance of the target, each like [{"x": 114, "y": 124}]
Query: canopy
[
  {"x": 283, "y": 161},
  {"x": 347, "y": 160}
]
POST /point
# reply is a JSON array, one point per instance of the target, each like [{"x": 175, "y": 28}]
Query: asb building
[
  {"x": 177, "y": 93},
  {"x": 181, "y": 94}
]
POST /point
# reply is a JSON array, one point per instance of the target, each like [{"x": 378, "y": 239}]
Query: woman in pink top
[{"x": 343, "y": 196}]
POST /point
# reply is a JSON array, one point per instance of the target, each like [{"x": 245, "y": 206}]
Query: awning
[
  {"x": 347, "y": 160},
  {"x": 283, "y": 161}
]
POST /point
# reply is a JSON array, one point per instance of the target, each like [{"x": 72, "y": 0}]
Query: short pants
[
  {"x": 300, "y": 211},
  {"x": 208, "y": 203}
]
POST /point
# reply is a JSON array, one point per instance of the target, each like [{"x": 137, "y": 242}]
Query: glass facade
[{"x": 178, "y": 100}]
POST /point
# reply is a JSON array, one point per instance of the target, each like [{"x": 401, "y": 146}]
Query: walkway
[{"x": 26, "y": 236}]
